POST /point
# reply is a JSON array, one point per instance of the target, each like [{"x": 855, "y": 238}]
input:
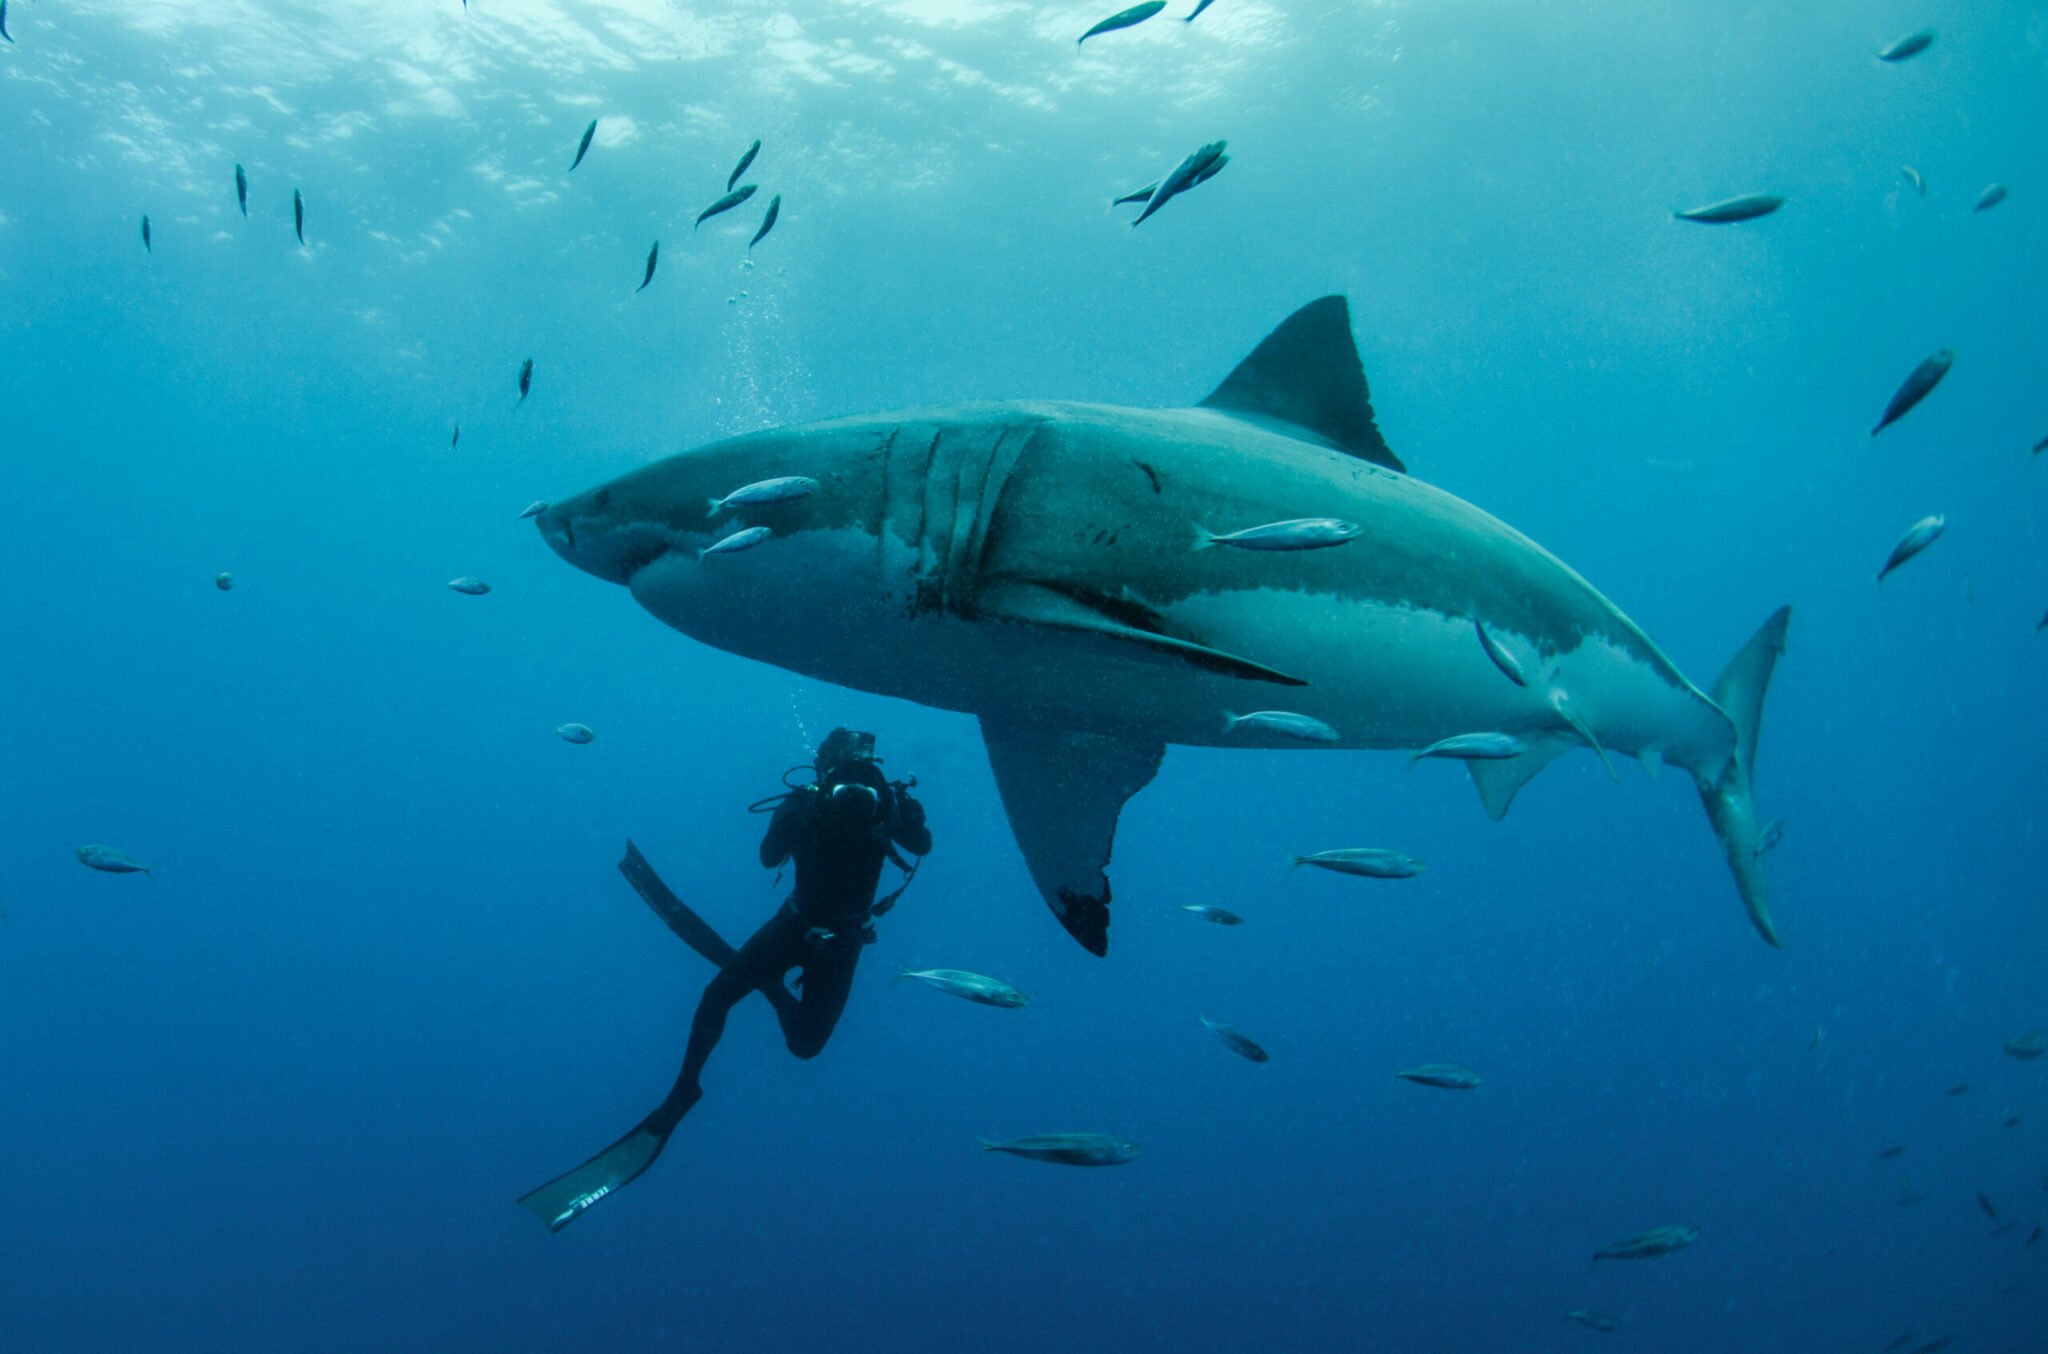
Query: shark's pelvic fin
[
  {"x": 1307, "y": 376},
  {"x": 1063, "y": 789},
  {"x": 1061, "y": 609},
  {"x": 1729, "y": 804},
  {"x": 1497, "y": 781}
]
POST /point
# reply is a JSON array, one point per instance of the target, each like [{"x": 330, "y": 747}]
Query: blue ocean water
[{"x": 283, "y": 1094}]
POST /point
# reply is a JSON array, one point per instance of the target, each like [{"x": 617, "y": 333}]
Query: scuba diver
[{"x": 838, "y": 827}]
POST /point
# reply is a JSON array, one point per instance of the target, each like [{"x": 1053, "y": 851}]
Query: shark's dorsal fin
[{"x": 1307, "y": 375}]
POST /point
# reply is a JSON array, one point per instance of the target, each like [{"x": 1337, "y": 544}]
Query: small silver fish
[
  {"x": 1918, "y": 385},
  {"x": 1236, "y": 1042},
  {"x": 1773, "y": 833},
  {"x": 1992, "y": 195},
  {"x": 725, "y": 204},
  {"x": 781, "y": 489},
  {"x": 741, "y": 167},
  {"x": 1918, "y": 537},
  {"x": 1367, "y": 862},
  {"x": 1916, "y": 178},
  {"x": 768, "y": 220},
  {"x": 1887, "y": 1153},
  {"x": 1960, "y": 1088},
  {"x": 1746, "y": 208},
  {"x": 2028, "y": 1046},
  {"x": 1473, "y": 747},
  {"x": 534, "y": 509},
  {"x": 469, "y": 587},
  {"x": 738, "y": 541},
  {"x": 1123, "y": 18},
  {"x": 1283, "y": 722},
  {"x": 525, "y": 379},
  {"x": 1502, "y": 659},
  {"x": 574, "y": 733},
  {"x": 1069, "y": 1149},
  {"x": 146, "y": 247},
  {"x": 1298, "y": 533},
  {"x": 1443, "y": 1076},
  {"x": 1656, "y": 1241},
  {"x": 110, "y": 860},
  {"x": 224, "y": 580},
  {"x": 975, "y": 987},
  {"x": 1600, "y": 1321},
  {"x": 1200, "y": 165},
  {"x": 1209, "y": 912},
  {"x": 653, "y": 257},
  {"x": 1909, "y": 46},
  {"x": 583, "y": 146}
]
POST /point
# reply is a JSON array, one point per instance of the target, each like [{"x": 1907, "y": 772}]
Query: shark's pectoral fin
[
  {"x": 1063, "y": 789},
  {"x": 1027, "y": 603},
  {"x": 1497, "y": 781}
]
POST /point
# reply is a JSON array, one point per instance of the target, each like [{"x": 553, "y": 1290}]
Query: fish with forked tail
[
  {"x": 1123, "y": 18},
  {"x": 583, "y": 146},
  {"x": 1917, "y": 386},
  {"x": 1731, "y": 210},
  {"x": 1907, "y": 47},
  {"x": 1918, "y": 537},
  {"x": 1069, "y": 1149},
  {"x": 741, "y": 167},
  {"x": 1234, "y": 1040},
  {"x": 767, "y": 222},
  {"x": 975, "y": 987},
  {"x": 1656, "y": 1241},
  {"x": 1443, "y": 1076},
  {"x": 725, "y": 204},
  {"x": 110, "y": 860}
]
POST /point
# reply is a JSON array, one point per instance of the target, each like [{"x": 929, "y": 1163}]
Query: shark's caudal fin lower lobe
[{"x": 1729, "y": 803}]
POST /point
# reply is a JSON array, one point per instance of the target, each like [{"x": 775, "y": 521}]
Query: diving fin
[
  {"x": 690, "y": 928},
  {"x": 565, "y": 1198}
]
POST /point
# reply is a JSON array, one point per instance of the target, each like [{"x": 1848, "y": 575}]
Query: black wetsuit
[{"x": 838, "y": 833}]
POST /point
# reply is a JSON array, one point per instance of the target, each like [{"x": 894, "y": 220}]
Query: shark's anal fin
[
  {"x": 1026, "y": 603},
  {"x": 1063, "y": 789},
  {"x": 1307, "y": 376}
]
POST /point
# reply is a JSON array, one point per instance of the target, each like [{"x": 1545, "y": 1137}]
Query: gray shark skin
[{"x": 1034, "y": 564}]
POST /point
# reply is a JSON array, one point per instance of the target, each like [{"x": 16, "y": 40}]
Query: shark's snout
[
  {"x": 558, "y": 531},
  {"x": 601, "y": 533}
]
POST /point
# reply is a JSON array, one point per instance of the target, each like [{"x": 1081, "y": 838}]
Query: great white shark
[{"x": 1037, "y": 564}]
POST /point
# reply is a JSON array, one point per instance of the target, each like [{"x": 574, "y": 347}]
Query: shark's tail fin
[{"x": 1729, "y": 803}]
